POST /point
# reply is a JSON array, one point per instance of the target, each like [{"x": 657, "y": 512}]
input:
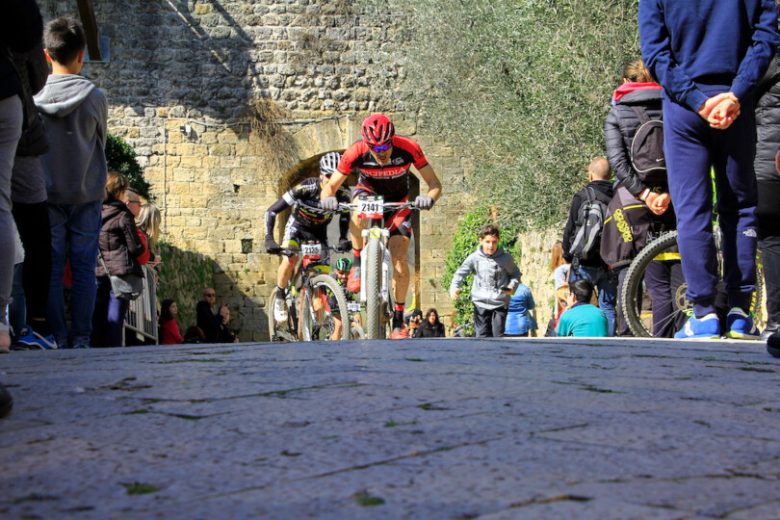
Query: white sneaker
[{"x": 280, "y": 309}]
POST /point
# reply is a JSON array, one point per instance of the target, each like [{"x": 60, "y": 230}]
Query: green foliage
[
  {"x": 121, "y": 157},
  {"x": 466, "y": 241},
  {"x": 521, "y": 86},
  {"x": 183, "y": 275}
]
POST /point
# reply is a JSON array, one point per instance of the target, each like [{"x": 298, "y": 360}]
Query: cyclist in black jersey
[
  {"x": 307, "y": 223},
  {"x": 382, "y": 160}
]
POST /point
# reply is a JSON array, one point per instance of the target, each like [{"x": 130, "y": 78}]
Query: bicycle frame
[{"x": 376, "y": 269}]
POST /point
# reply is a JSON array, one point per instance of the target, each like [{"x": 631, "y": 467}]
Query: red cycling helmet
[{"x": 377, "y": 130}]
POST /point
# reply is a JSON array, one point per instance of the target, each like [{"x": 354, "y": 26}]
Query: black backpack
[
  {"x": 589, "y": 225},
  {"x": 647, "y": 146}
]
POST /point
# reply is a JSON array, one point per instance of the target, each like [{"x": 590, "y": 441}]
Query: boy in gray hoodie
[
  {"x": 495, "y": 278},
  {"x": 75, "y": 115}
]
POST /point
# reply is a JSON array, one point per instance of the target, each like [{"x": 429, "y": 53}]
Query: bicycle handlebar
[
  {"x": 288, "y": 251},
  {"x": 354, "y": 205}
]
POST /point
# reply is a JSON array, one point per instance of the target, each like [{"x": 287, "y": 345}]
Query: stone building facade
[{"x": 229, "y": 102}]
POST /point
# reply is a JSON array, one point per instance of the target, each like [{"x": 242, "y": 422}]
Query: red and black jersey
[{"x": 390, "y": 180}]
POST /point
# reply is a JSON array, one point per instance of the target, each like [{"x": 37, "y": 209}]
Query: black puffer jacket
[
  {"x": 21, "y": 29},
  {"x": 119, "y": 241},
  {"x": 622, "y": 123},
  {"x": 768, "y": 122}
]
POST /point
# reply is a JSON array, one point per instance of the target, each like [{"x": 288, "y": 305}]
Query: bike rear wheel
[{"x": 375, "y": 326}]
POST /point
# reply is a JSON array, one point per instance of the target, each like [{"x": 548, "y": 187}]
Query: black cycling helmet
[
  {"x": 329, "y": 162},
  {"x": 343, "y": 265}
]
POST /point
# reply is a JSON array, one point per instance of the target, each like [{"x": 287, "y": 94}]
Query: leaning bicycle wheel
[
  {"x": 637, "y": 305},
  {"x": 285, "y": 330},
  {"x": 375, "y": 322},
  {"x": 328, "y": 300}
]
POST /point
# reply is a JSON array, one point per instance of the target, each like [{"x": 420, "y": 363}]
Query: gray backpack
[{"x": 589, "y": 225}]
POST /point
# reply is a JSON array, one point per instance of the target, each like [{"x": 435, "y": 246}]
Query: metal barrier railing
[{"x": 142, "y": 312}]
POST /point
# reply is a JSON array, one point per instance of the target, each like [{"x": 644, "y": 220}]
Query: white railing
[{"x": 142, "y": 312}]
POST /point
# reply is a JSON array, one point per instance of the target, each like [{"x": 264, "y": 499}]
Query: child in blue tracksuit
[{"x": 708, "y": 55}]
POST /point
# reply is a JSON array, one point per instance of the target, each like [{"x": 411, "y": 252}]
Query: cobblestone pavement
[{"x": 448, "y": 429}]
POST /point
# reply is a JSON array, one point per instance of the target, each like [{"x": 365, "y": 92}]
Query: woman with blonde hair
[{"x": 148, "y": 222}]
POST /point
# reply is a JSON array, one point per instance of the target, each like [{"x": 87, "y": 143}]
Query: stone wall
[
  {"x": 536, "y": 249},
  {"x": 227, "y": 102}
]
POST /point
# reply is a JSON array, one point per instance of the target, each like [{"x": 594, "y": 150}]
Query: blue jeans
[
  {"x": 75, "y": 229},
  {"x": 606, "y": 282}
]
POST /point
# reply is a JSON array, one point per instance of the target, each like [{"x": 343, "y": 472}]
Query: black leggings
[
  {"x": 32, "y": 221},
  {"x": 769, "y": 243}
]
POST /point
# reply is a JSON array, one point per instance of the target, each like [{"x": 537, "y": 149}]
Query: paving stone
[{"x": 421, "y": 429}]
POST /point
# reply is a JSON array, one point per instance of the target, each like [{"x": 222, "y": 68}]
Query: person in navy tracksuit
[{"x": 708, "y": 55}]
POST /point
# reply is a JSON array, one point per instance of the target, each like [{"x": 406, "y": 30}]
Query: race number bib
[
  {"x": 311, "y": 249},
  {"x": 353, "y": 306},
  {"x": 371, "y": 208}
]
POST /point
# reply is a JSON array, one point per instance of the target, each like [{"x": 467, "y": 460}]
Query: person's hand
[
  {"x": 344, "y": 245},
  {"x": 423, "y": 202},
  {"x": 724, "y": 114},
  {"x": 272, "y": 247},
  {"x": 455, "y": 293},
  {"x": 660, "y": 204},
  {"x": 720, "y": 110},
  {"x": 329, "y": 203},
  {"x": 711, "y": 103}
]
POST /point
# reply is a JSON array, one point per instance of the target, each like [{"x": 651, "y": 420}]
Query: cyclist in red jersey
[{"x": 382, "y": 161}]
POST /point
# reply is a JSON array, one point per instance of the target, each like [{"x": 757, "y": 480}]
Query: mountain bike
[
  {"x": 309, "y": 298},
  {"x": 637, "y": 307},
  {"x": 376, "y": 269}
]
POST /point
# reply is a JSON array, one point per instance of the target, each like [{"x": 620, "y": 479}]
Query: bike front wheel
[
  {"x": 323, "y": 304},
  {"x": 375, "y": 326}
]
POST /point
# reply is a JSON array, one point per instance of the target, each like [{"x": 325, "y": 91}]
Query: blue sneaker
[
  {"x": 706, "y": 327},
  {"x": 34, "y": 341},
  {"x": 741, "y": 325}
]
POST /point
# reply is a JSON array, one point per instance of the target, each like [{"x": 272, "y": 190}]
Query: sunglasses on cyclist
[{"x": 381, "y": 147}]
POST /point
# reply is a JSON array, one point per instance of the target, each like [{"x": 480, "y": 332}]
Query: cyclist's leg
[
  {"x": 399, "y": 249},
  {"x": 399, "y": 223},
  {"x": 337, "y": 324},
  {"x": 290, "y": 241},
  {"x": 356, "y": 224},
  {"x": 734, "y": 151}
]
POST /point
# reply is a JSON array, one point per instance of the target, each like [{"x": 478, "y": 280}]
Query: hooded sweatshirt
[
  {"x": 493, "y": 276},
  {"x": 74, "y": 113}
]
